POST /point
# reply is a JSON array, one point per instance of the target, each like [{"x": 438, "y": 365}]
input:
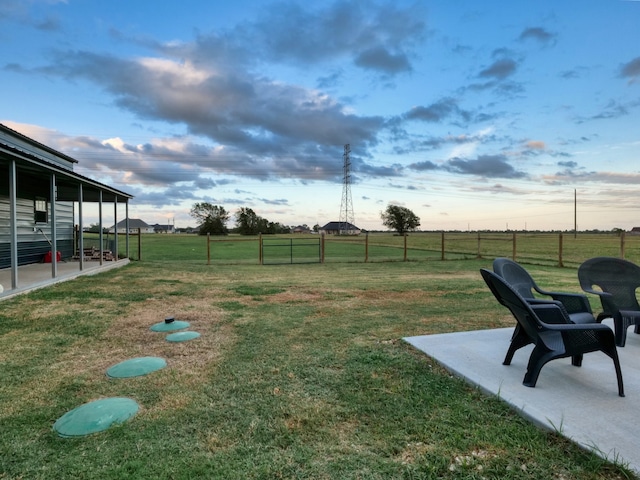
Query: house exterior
[
  {"x": 301, "y": 229},
  {"x": 40, "y": 196},
  {"x": 157, "y": 228},
  {"x": 134, "y": 225},
  {"x": 340, "y": 228}
]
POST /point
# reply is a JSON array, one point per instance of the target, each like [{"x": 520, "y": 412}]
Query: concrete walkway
[
  {"x": 581, "y": 403},
  {"x": 38, "y": 275}
]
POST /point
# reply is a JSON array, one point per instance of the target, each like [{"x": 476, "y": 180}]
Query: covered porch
[{"x": 41, "y": 215}]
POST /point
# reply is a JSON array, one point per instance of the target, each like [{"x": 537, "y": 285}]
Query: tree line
[{"x": 213, "y": 220}]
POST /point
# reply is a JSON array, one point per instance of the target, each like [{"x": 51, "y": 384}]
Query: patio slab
[
  {"x": 581, "y": 403},
  {"x": 38, "y": 275}
]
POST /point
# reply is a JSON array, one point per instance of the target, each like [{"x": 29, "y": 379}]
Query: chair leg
[
  {"x": 537, "y": 360},
  {"x": 519, "y": 339},
  {"x": 613, "y": 354},
  {"x": 620, "y": 330},
  {"x": 576, "y": 360}
]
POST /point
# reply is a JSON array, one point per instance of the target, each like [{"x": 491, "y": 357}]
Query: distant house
[
  {"x": 134, "y": 225},
  {"x": 340, "y": 228},
  {"x": 157, "y": 228},
  {"x": 635, "y": 231},
  {"x": 301, "y": 229}
]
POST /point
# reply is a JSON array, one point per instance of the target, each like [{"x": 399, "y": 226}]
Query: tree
[
  {"x": 400, "y": 219},
  {"x": 212, "y": 218},
  {"x": 249, "y": 223}
]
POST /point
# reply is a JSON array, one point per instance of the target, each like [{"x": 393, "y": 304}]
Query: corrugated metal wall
[{"x": 32, "y": 245}]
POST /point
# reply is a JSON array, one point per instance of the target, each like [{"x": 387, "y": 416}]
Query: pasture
[{"x": 300, "y": 372}]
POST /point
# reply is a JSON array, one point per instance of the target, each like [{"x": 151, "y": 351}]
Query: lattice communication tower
[{"x": 346, "y": 206}]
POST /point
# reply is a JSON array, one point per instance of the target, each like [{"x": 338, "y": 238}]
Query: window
[{"x": 40, "y": 210}]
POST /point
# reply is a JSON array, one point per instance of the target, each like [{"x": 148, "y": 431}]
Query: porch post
[
  {"x": 54, "y": 246},
  {"x": 100, "y": 226},
  {"x": 115, "y": 227},
  {"x": 13, "y": 223},
  {"x": 80, "y": 227},
  {"x": 126, "y": 213}
]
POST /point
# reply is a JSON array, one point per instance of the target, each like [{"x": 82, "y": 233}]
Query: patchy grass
[{"x": 299, "y": 373}]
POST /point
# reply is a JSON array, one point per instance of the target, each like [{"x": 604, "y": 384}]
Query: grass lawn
[{"x": 300, "y": 372}]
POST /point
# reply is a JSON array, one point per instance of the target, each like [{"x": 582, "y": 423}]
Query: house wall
[{"x": 32, "y": 245}]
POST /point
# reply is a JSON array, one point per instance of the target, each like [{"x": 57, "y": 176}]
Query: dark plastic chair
[
  {"x": 551, "y": 331},
  {"x": 576, "y": 304},
  {"x": 618, "y": 280}
]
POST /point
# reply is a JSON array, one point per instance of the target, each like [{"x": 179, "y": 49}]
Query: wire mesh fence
[{"x": 561, "y": 249}]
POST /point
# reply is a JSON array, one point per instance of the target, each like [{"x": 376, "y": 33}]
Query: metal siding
[{"x": 32, "y": 245}]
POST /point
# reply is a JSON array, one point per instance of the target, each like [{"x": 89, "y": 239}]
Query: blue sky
[{"x": 475, "y": 115}]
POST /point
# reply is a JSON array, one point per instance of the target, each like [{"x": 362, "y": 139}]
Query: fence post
[
  {"x": 405, "y": 246},
  {"x": 560, "y": 251},
  {"x": 260, "y": 258},
  {"x": 515, "y": 250},
  {"x": 622, "y": 242},
  {"x": 366, "y": 247},
  {"x": 322, "y": 248},
  {"x": 442, "y": 247},
  {"x": 208, "y": 248},
  {"x": 139, "y": 244},
  {"x": 478, "y": 255}
]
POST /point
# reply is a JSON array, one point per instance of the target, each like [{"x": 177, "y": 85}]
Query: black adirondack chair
[
  {"x": 618, "y": 280},
  {"x": 548, "y": 327},
  {"x": 576, "y": 304}
]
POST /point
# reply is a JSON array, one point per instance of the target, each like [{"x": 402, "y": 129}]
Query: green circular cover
[
  {"x": 182, "y": 336},
  {"x": 95, "y": 416},
  {"x": 136, "y": 367},
  {"x": 169, "y": 327}
]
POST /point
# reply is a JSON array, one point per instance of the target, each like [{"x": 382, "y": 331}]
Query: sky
[{"x": 489, "y": 115}]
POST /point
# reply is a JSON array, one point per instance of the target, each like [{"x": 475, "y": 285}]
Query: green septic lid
[
  {"x": 95, "y": 417},
  {"x": 169, "y": 326},
  {"x": 182, "y": 336},
  {"x": 136, "y": 367}
]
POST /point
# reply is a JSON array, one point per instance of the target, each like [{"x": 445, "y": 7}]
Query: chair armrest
[
  {"x": 573, "y": 302},
  {"x": 597, "y": 292},
  {"x": 551, "y": 313}
]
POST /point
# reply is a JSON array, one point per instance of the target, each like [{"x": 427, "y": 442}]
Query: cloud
[
  {"x": 538, "y": 34},
  {"x": 500, "y": 69},
  {"x": 631, "y": 70},
  {"x": 263, "y": 125},
  {"x": 535, "y": 145},
  {"x": 438, "y": 111},
  {"x": 493, "y": 166},
  {"x": 377, "y": 37},
  {"x": 490, "y": 166},
  {"x": 381, "y": 59}
]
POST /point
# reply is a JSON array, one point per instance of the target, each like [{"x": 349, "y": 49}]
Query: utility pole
[
  {"x": 346, "y": 206},
  {"x": 575, "y": 213}
]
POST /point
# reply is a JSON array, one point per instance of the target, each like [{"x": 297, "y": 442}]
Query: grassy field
[
  {"x": 531, "y": 248},
  {"x": 300, "y": 372}
]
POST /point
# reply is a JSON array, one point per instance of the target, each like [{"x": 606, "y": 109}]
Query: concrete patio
[
  {"x": 580, "y": 403},
  {"x": 39, "y": 275}
]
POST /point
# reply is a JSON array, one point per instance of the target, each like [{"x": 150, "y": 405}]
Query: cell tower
[{"x": 346, "y": 207}]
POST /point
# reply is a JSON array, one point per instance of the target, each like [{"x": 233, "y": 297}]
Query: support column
[
  {"x": 115, "y": 228},
  {"x": 126, "y": 213},
  {"x": 54, "y": 235},
  {"x": 100, "y": 239},
  {"x": 13, "y": 223},
  {"x": 80, "y": 227}
]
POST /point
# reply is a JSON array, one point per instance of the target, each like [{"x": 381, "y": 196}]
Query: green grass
[
  {"x": 531, "y": 248},
  {"x": 300, "y": 373}
]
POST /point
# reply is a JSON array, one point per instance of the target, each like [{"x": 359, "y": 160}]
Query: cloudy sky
[{"x": 475, "y": 115}]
